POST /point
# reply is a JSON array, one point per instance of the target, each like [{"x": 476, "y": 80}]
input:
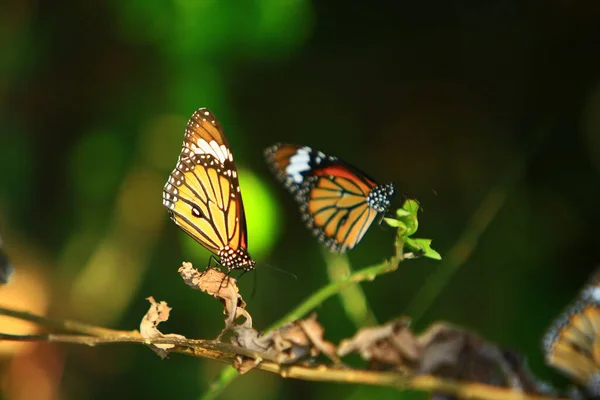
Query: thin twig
[
  {"x": 64, "y": 325},
  {"x": 226, "y": 353}
]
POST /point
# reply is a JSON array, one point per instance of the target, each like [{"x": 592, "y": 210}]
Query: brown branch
[
  {"x": 64, "y": 325},
  {"x": 227, "y": 353}
]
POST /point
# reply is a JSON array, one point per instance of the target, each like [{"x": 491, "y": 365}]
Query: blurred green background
[{"x": 442, "y": 98}]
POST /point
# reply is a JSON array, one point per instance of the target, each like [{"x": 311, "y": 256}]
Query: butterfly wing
[
  {"x": 572, "y": 344},
  {"x": 338, "y": 202},
  {"x": 203, "y": 193}
]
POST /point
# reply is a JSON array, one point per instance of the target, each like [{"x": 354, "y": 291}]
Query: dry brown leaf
[
  {"x": 249, "y": 338},
  {"x": 244, "y": 364},
  {"x": 222, "y": 287},
  {"x": 293, "y": 342},
  {"x": 389, "y": 346},
  {"x": 442, "y": 350},
  {"x": 455, "y": 353},
  {"x": 157, "y": 313},
  {"x": 315, "y": 331}
]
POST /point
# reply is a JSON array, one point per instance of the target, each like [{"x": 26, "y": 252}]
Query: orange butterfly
[
  {"x": 203, "y": 193},
  {"x": 572, "y": 344},
  {"x": 338, "y": 202}
]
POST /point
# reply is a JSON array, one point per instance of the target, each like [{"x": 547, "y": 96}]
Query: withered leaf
[
  {"x": 293, "y": 342},
  {"x": 389, "y": 346},
  {"x": 452, "y": 352},
  {"x": 222, "y": 287},
  {"x": 442, "y": 350},
  {"x": 244, "y": 364},
  {"x": 157, "y": 313}
]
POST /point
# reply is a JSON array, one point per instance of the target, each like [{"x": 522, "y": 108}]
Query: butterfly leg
[{"x": 212, "y": 259}]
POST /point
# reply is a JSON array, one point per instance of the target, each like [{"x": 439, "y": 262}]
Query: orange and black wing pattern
[
  {"x": 572, "y": 344},
  {"x": 337, "y": 201},
  {"x": 203, "y": 193}
]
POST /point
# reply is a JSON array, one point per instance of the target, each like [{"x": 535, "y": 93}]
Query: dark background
[{"x": 443, "y": 99}]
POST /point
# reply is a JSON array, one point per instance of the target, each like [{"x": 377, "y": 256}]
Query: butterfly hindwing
[{"x": 203, "y": 193}]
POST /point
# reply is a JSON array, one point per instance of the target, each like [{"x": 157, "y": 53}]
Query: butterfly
[
  {"x": 337, "y": 201},
  {"x": 203, "y": 193},
  {"x": 572, "y": 343}
]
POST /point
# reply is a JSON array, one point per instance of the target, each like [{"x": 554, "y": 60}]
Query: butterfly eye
[{"x": 196, "y": 212}]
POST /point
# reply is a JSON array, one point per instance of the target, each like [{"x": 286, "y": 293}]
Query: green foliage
[{"x": 407, "y": 224}]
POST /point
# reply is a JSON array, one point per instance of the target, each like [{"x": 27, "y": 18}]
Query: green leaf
[
  {"x": 407, "y": 224},
  {"x": 401, "y": 212},
  {"x": 412, "y": 225},
  {"x": 423, "y": 246},
  {"x": 394, "y": 223},
  {"x": 412, "y": 206}
]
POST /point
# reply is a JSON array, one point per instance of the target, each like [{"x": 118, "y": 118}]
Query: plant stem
[{"x": 353, "y": 297}]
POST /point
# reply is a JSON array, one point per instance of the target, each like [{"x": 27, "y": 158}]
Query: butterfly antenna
[
  {"x": 254, "y": 286},
  {"x": 294, "y": 276}
]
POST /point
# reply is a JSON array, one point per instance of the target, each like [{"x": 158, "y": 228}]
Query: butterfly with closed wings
[
  {"x": 572, "y": 343},
  {"x": 338, "y": 202},
  {"x": 203, "y": 193}
]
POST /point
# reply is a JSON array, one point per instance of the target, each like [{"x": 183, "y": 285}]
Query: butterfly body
[
  {"x": 203, "y": 193},
  {"x": 338, "y": 202},
  {"x": 572, "y": 343}
]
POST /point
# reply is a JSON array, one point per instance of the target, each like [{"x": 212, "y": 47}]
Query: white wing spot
[
  {"x": 299, "y": 162},
  {"x": 220, "y": 153}
]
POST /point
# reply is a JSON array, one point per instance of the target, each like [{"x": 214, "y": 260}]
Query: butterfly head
[
  {"x": 236, "y": 259},
  {"x": 380, "y": 197}
]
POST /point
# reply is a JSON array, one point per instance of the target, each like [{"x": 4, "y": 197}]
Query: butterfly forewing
[
  {"x": 203, "y": 193},
  {"x": 338, "y": 202}
]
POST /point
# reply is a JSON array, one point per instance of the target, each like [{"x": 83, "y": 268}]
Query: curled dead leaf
[
  {"x": 244, "y": 364},
  {"x": 293, "y": 342},
  {"x": 442, "y": 350},
  {"x": 452, "y": 352},
  {"x": 157, "y": 313},
  {"x": 389, "y": 346},
  {"x": 222, "y": 287}
]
